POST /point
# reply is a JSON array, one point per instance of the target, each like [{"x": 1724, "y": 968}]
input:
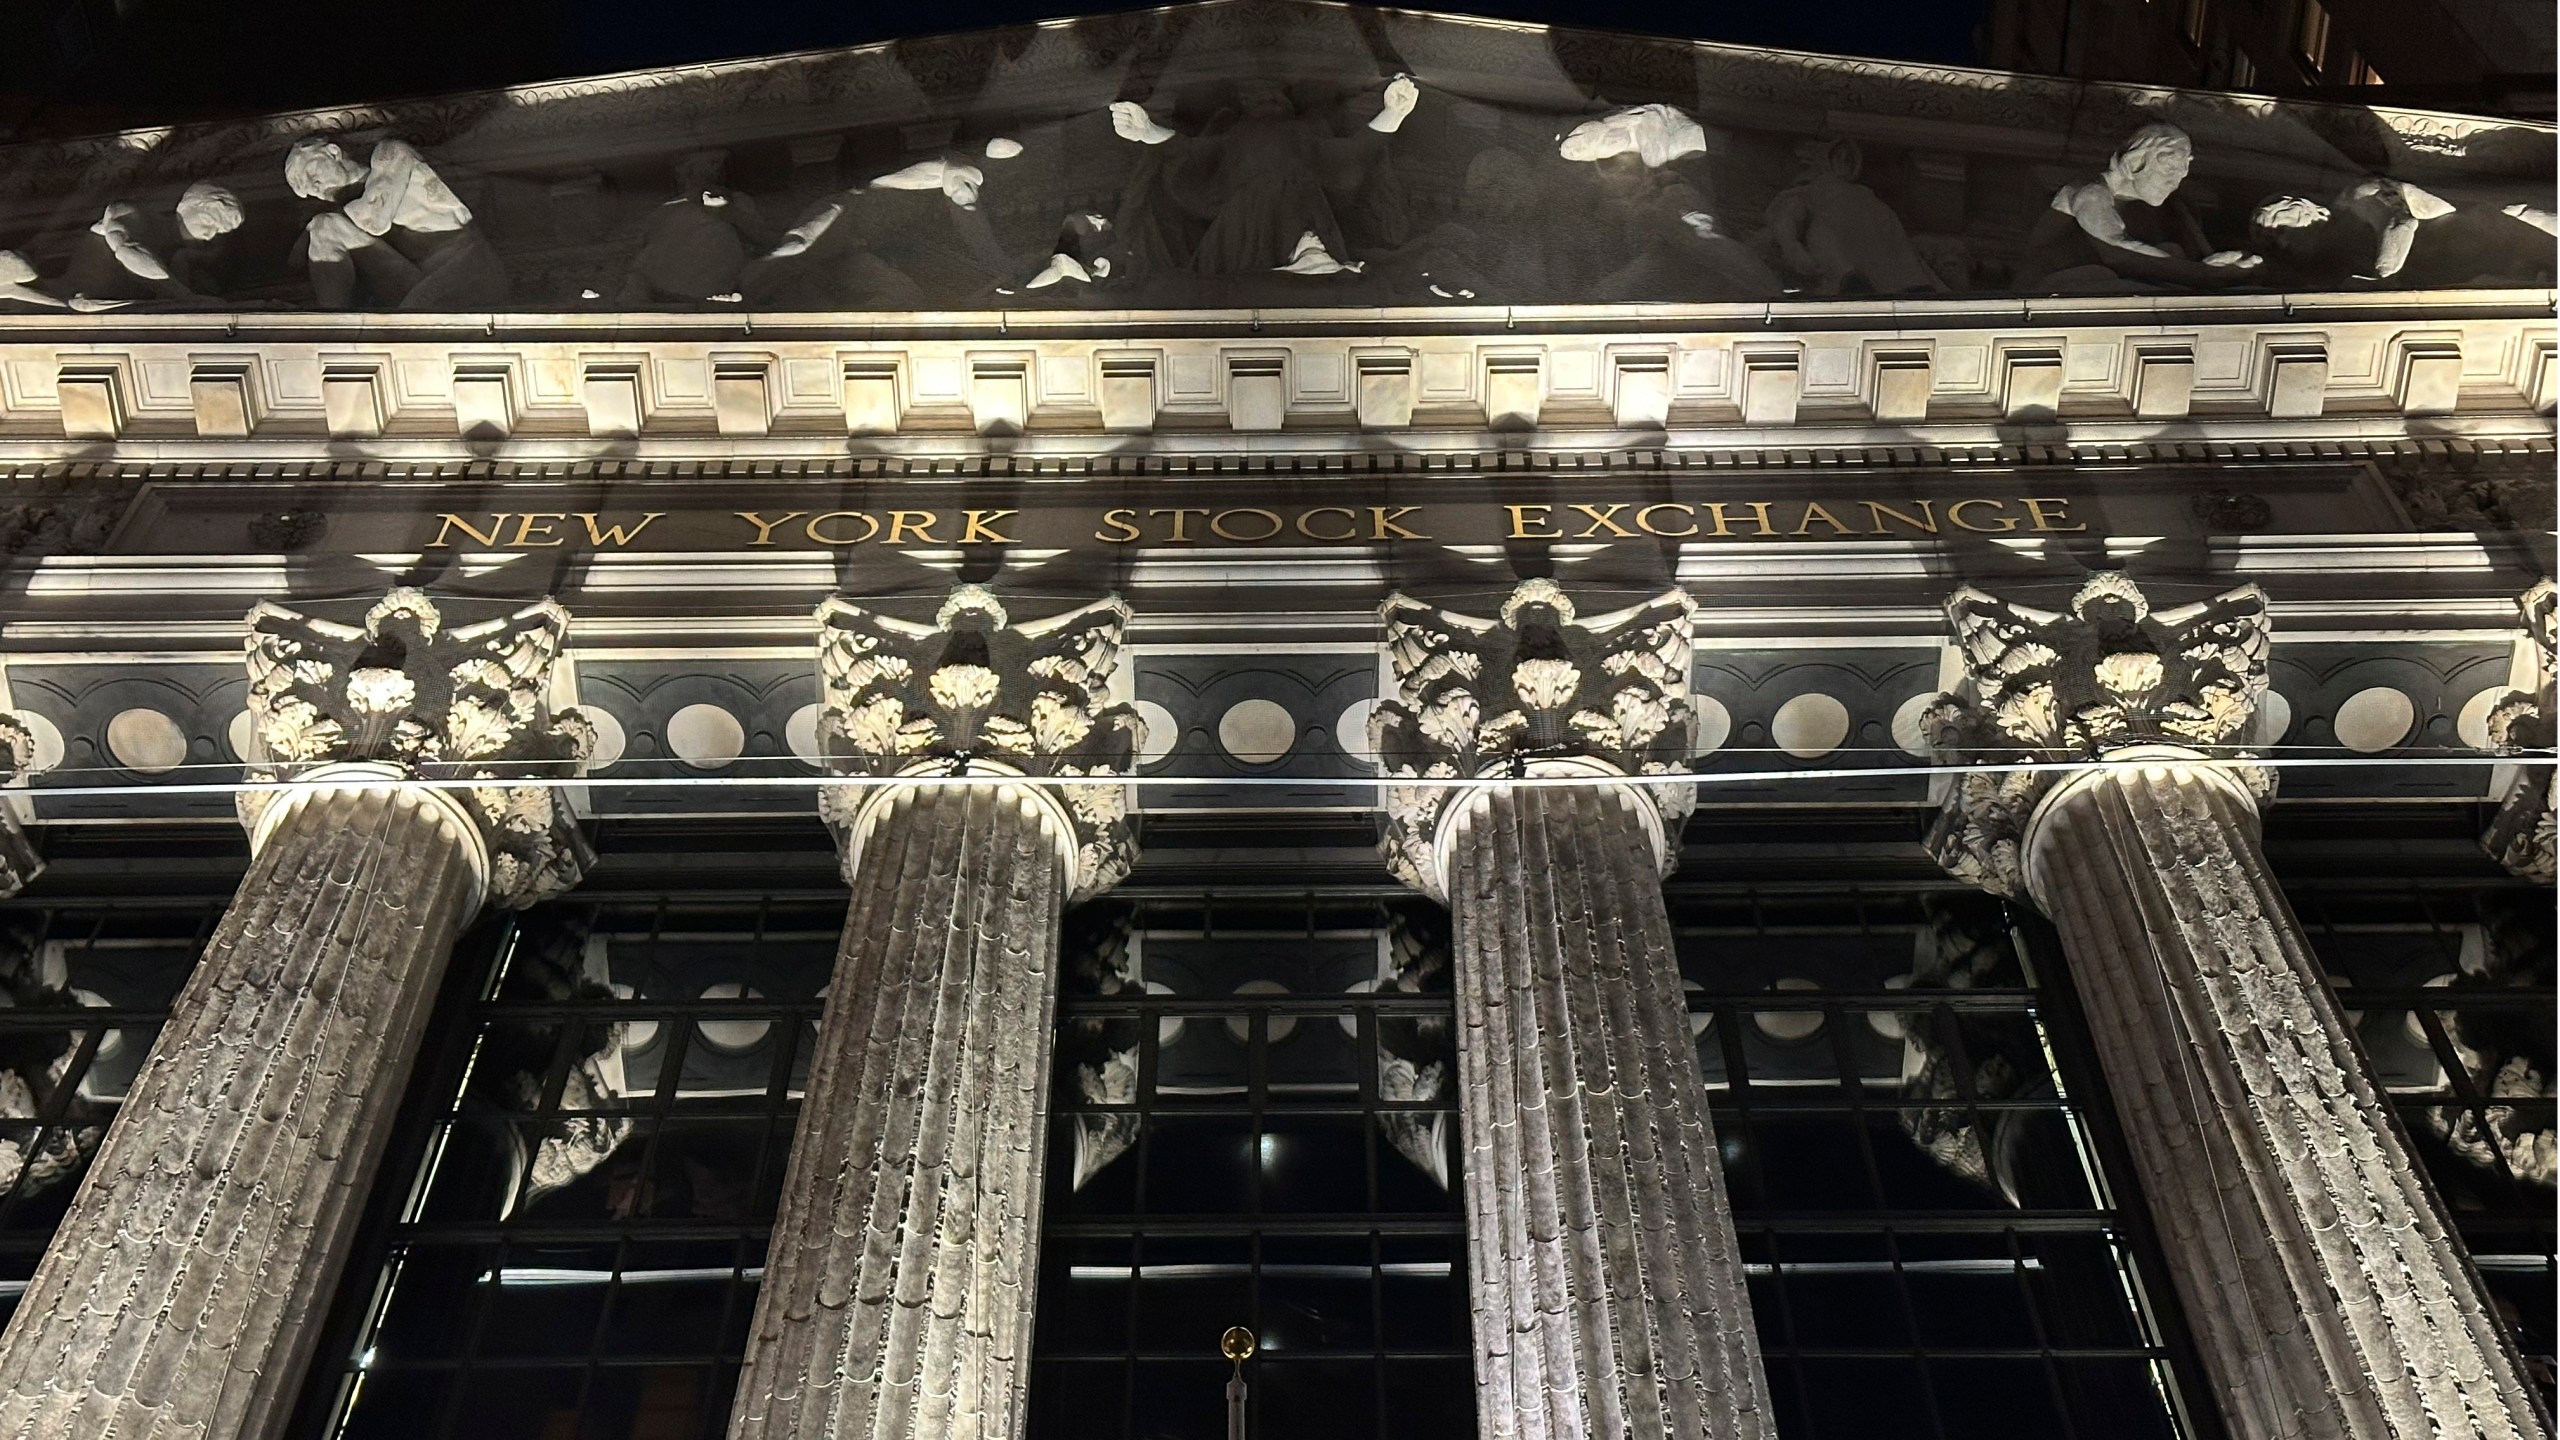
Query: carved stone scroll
[
  {"x": 19, "y": 862},
  {"x": 1609, "y": 695},
  {"x": 2326, "y": 1291},
  {"x": 2520, "y": 833},
  {"x": 183, "y": 1291},
  {"x": 1607, "y": 1287},
  {"x": 897, "y": 1293}
]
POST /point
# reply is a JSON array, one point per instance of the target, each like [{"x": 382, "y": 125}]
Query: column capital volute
[
  {"x": 2522, "y": 722},
  {"x": 405, "y": 697},
  {"x": 974, "y": 696},
  {"x": 19, "y": 862},
  {"x": 2103, "y": 683},
  {"x": 1534, "y": 691}
]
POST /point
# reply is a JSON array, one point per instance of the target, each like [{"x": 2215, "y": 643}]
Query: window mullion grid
[{"x": 1845, "y": 1070}]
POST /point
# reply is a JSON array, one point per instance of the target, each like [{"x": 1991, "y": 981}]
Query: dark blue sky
[
  {"x": 625, "y": 34},
  {"x": 99, "y": 66}
]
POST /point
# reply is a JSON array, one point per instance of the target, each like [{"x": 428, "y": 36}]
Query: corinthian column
[
  {"x": 1607, "y": 1290},
  {"x": 2520, "y": 833},
  {"x": 898, "y": 1291},
  {"x": 183, "y": 1291},
  {"x": 2318, "y": 1274}
]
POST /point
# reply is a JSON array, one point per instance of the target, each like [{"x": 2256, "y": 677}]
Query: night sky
[{"x": 170, "y": 60}]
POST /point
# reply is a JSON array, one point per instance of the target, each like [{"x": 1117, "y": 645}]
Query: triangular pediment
[{"x": 1262, "y": 153}]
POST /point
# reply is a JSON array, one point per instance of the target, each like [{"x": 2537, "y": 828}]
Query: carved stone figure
[
  {"x": 694, "y": 247},
  {"x": 2521, "y": 833},
  {"x": 19, "y": 293},
  {"x": 1654, "y": 134},
  {"x": 2126, "y": 228},
  {"x": 2386, "y": 231},
  {"x": 1261, "y": 186},
  {"x": 404, "y": 241},
  {"x": 2508, "y": 1055},
  {"x": 1835, "y": 235},
  {"x": 36, "y": 1064},
  {"x": 1103, "y": 1053},
  {"x": 1954, "y": 1062},
  {"x": 2106, "y": 675},
  {"x": 1675, "y": 241},
  {"x": 127, "y": 255},
  {"x": 911, "y": 238},
  {"x": 1416, "y": 1057},
  {"x": 1501, "y": 244}
]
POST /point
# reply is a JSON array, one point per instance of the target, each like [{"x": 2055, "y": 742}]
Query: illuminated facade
[{"x": 1619, "y": 737}]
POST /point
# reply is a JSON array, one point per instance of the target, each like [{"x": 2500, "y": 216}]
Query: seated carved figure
[
  {"x": 1657, "y": 235},
  {"x": 1260, "y": 186},
  {"x": 127, "y": 255},
  {"x": 1676, "y": 244},
  {"x": 2126, "y": 230},
  {"x": 909, "y": 240},
  {"x": 695, "y": 246},
  {"x": 20, "y": 295},
  {"x": 1834, "y": 234},
  {"x": 1501, "y": 245},
  {"x": 404, "y": 241}
]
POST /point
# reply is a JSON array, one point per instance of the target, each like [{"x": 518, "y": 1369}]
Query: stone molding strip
[{"x": 2455, "y": 450}]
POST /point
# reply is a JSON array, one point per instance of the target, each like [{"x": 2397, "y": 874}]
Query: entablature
[{"x": 1124, "y": 383}]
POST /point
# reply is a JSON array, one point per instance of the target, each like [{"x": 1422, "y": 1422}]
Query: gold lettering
[
  {"x": 1218, "y": 525},
  {"x": 452, "y": 523},
  {"x": 1345, "y": 511},
  {"x": 815, "y": 538},
  {"x": 1181, "y": 520},
  {"x": 1604, "y": 515},
  {"x": 1122, "y": 521},
  {"x": 615, "y": 534},
  {"x": 764, "y": 527},
  {"x": 1955, "y": 512},
  {"x": 1521, "y": 520},
  {"x": 982, "y": 527},
  {"x": 1926, "y": 520},
  {"x": 525, "y": 524},
  {"x": 2035, "y": 512},
  {"x": 1816, "y": 508},
  {"x": 1644, "y": 520},
  {"x": 1382, "y": 518},
  {"x": 1759, "y": 516},
  {"x": 902, "y": 521}
]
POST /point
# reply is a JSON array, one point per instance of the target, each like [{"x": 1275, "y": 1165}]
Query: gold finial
[{"x": 1236, "y": 1345}]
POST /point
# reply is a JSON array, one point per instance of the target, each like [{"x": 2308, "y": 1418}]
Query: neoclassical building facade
[{"x": 1614, "y": 737}]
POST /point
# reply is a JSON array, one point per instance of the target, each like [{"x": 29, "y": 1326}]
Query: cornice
[{"x": 1910, "y": 375}]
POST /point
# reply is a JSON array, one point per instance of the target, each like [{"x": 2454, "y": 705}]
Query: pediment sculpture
[{"x": 1263, "y": 152}]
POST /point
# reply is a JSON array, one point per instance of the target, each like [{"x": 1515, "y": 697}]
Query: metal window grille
[{"x": 1922, "y": 1185}]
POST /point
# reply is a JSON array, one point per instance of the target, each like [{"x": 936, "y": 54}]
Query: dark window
[
  {"x": 1255, "y": 1124},
  {"x": 1934, "y": 1247},
  {"x": 575, "y": 1244},
  {"x": 2451, "y": 996}
]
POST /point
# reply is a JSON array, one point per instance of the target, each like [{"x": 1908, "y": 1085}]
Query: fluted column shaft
[
  {"x": 184, "y": 1289},
  {"x": 897, "y": 1295},
  {"x": 2329, "y": 1299},
  {"x": 1609, "y": 1296}
]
